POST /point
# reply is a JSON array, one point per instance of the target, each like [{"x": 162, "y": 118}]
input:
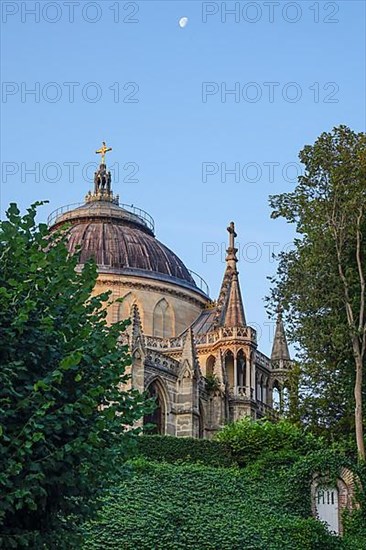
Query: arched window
[
  {"x": 229, "y": 367},
  {"x": 201, "y": 421},
  {"x": 156, "y": 419},
  {"x": 210, "y": 365},
  {"x": 162, "y": 320},
  {"x": 276, "y": 396},
  {"x": 264, "y": 389},
  {"x": 258, "y": 388},
  {"x": 261, "y": 391},
  {"x": 285, "y": 399},
  {"x": 241, "y": 370}
]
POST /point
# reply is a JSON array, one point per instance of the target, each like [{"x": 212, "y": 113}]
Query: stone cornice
[{"x": 151, "y": 288}]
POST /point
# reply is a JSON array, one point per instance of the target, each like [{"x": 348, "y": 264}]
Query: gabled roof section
[{"x": 205, "y": 322}]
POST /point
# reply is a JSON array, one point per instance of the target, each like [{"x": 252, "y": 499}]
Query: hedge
[
  {"x": 240, "y": 443},
  {"x": 190, "y": 506},
  {"x": 181, "y": 449}
]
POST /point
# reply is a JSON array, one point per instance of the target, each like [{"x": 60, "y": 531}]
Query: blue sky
[{"x": 159, "y": 95}]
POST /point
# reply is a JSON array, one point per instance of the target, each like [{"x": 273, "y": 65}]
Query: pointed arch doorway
[{"x": 157, "y": 418}]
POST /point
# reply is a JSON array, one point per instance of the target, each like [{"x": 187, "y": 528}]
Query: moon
[{"x": 183, "y": 22}]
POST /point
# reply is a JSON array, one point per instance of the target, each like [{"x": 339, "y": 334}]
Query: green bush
[
  {"x": 190, "y": 506},
  {"x": 181, "y": 449},
  {"x": 250, "y": 439},
  {"x": 354, "y": 529}
]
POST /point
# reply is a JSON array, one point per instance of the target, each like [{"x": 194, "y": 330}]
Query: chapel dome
[{"x": 120, "y": 239}]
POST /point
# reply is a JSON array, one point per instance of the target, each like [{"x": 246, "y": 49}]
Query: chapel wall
[{"x": 182, "y": 306}]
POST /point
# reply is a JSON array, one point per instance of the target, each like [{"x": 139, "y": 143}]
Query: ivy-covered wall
[
  {"x": 191, "y": 507},
  {"x": 251, "y": 490}
]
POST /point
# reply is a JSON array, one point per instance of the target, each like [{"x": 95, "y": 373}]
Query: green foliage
[
  {"x": 61, "y": 409},
  {"x": 248, "y": 440},
  {"x": 264, "y": 505},
  {"x": 355, "y": 522},
  {"x": 328, "y": 208},
  {"x": 183, "y": 449},
  {"x": 193, "y": 506},
  {"x": 354, "y": 529},
  {"x": 212, "y": 383}
]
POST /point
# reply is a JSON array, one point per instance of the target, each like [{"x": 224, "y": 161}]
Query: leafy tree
[
  {"x": 250, "y": 439},
  {"x": 321, "y": 282},
  {"x": 63, "y": 403}
]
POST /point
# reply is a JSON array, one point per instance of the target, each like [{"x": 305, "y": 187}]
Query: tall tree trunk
[
  {"x": 355, "y": 327},
  {"x": 358, "y": 409},
  {"x": 359, "y": 346}
]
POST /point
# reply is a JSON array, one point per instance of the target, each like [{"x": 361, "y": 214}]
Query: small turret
[{"x": 280, "y": 356}]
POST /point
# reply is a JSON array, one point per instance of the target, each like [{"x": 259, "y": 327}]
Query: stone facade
[{"x": 196, "y": 356}]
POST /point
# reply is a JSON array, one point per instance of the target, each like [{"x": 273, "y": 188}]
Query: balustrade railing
[
  {"x": 200, "y": 282},
  {"x": 163, "y": 343},
  {"x": 203, "y": 339},
  {"x": 222, "y": 333},
  {"x": 61, "y": 211},
  {"x": 143, "y": 216}
]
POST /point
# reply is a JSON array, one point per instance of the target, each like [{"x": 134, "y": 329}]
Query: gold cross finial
[{"x": 102, "y": 151}]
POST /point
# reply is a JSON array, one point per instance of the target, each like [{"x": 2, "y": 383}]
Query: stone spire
[
  {"x": 137, "y": 337},
  {"x": 102, "y": 181},
  {"x": 280, "y": 354},
  {"x": 138, "y": 350},
  {"x": 230, "y": 310}
]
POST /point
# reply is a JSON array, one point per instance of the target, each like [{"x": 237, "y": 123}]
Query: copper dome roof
[{"x": 120, "y": 240}]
